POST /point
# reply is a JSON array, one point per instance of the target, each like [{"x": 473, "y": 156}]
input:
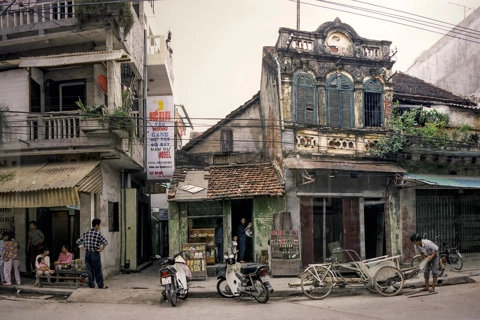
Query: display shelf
[
  {"x": 285, "y": 251},
  {"x": 194, "y": 254},
  {"x": 206, "y": 236}
]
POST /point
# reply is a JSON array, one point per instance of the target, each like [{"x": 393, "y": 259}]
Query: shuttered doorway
[{"x": 454, "y": 215}]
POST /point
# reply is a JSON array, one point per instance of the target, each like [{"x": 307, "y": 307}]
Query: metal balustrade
[{"x": 35, "y": 13}]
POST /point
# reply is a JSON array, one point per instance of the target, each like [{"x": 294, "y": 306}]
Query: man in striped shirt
[{"x": 93, "y": 242}]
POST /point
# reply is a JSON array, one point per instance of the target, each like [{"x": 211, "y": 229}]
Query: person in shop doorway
[
  {"x": 93, "y": 242},
  {"x": 34, "y": 243},
  {"x": 242, "y": 239},
  {"x": 219, "y": 239}
]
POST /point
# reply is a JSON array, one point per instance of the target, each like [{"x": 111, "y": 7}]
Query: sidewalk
[{"x": 144, "y": 287}]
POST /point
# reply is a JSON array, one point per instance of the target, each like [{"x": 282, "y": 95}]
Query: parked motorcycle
[
  {"x": 234, "y": 280},
  {"x": 174, "y": 279}
]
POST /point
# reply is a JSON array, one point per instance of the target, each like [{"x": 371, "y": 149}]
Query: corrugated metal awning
[
  {"x": 295, "y": 163},
  {"x": 48, "y": 184},
  {"x": 74, "y": 58},
  {"x": 445, "y": 181}
]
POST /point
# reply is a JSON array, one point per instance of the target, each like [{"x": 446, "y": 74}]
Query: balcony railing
[
  {"x": 53, "y": 126},
  {"x": 41, "y": 12}
]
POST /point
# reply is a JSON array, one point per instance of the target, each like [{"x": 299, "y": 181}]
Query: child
[{"x": 43, "y": 269}]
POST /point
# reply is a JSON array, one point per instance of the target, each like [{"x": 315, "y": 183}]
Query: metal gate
[{"x": 454, "y": 215}]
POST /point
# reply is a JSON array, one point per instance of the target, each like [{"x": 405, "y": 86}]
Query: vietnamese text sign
[
  {"x": 160, "y": 137},
  {"x": 7, "y": 220}
]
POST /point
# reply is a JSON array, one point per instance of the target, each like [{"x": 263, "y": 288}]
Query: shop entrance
[
  {"x": 60, "y": 227},
  {"x": 375, "y": 245},
  {"x": 333, "y": 230},
  {"x": 243, "y": 209}
]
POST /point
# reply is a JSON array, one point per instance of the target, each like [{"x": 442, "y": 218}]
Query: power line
[{"x": 377, "y": 18}]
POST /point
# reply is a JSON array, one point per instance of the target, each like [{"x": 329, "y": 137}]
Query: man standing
[
  {"x": 242, "y": 239},
  {"x": 93, "y": 242},
  {"x": 429, "y": 250},
  {"x": 219, "y": 239},
  {"x": 35, "y": 240}
]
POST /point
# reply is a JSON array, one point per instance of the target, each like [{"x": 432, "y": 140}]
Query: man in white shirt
[{"x": 429, "y": 250}]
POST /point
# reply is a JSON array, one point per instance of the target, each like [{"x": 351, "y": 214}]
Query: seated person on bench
[
  {"x": 64, "y": 259},
  {"x": 43, "y": 269}
]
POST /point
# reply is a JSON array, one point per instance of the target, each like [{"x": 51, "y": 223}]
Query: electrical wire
[{"x": 381, "y": 19}]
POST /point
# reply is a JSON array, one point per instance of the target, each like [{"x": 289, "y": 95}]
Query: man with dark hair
[
  {"x": 35, "y": 241},
  {"x": 93, "y": 242},
  {"x": 429, "y": 250}
]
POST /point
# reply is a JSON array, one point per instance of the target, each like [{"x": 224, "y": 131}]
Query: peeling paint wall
[
  {"x": 263, "y": 210},
  {"x": 407, "y": 224}
]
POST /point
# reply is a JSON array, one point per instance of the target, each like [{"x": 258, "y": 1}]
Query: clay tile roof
[
  {"x": 244, "y": 181},
  {"x": 413, "y": 89}
]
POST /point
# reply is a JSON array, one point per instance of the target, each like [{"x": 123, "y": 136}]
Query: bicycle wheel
[
  {"x": 264, "y": 293},
  {"x": 317, "y": 282},
  {"x": 442, "y": 260},
  {"x": 455, "y": 260},
  {"x": 416, "y": 260},
  {"x": 388, "y": 281}
]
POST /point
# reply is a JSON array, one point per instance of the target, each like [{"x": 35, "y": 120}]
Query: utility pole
[
  {"x": 465, "y": 8},
  {"x": 298, "y": 15}
]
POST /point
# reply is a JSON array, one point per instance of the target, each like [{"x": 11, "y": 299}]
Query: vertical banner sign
[{"x": 160, "y": 137}]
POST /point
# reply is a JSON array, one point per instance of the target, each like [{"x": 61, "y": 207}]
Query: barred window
[{"x": 373, "y": 104}]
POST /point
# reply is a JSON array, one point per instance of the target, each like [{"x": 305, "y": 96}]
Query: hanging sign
[{"x": 160, "y": 137}]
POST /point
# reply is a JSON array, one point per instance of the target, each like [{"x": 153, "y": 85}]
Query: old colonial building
[
  {"x": 326, "y": 101},
  {"x": 72, "y": 91}
]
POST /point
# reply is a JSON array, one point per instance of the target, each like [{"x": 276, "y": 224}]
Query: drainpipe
[
  {"x": 124, "y": 185},
  {"x": 145, "y": 82},
  {"x": 280, "y": 95}
]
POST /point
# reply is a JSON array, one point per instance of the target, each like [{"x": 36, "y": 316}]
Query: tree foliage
[{"x": 99, "y": 10}]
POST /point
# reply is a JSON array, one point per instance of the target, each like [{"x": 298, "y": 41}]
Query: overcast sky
[{"x": 217, "y": 44}]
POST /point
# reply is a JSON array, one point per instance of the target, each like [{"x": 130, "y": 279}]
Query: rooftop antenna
[
  {"x": 465, "y": 8},
  {"x": 298, "y": 15}
]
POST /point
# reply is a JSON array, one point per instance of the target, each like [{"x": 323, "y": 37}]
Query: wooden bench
[{"x": 77, "y": 281}]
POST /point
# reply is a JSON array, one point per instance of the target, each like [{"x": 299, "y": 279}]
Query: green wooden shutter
[
  {"x": 309, "y": 106},
  {"x": 301, "y": 104},
  {"x": 345, "y": 97},
  {"x": 334, "y": 112}
]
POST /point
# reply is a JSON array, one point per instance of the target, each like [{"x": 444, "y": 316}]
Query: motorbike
[
  {"x": 235, "y": 280},
  {"x": 173, "y": 278}
]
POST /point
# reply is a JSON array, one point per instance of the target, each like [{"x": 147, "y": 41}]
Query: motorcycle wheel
[
  {"x": 455, "y": 261},
  {"x": 184, "y": 297},
  {"x": 416, "y": 260},
  {"x": 172, "y": 293},
  {"x": 441, "y": 265},
  {"x": 224, "y": 289},
  {"x": 264, "y": 292}
]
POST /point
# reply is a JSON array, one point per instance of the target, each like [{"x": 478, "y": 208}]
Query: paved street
[{"x": 452, "y": 302}]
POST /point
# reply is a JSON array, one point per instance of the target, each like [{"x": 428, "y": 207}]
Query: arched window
[
  {"x": 373, "y": 104},
  {"x": 305, "y": 110},
  {"x": 340, "y": 102}
]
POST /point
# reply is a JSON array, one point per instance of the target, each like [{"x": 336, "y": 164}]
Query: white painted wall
[{"x": 14, "y": 89}]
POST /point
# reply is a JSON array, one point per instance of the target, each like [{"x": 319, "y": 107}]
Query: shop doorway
[
  {"x": 60, "y": 227},
  {"x": 333, "y": 230},
  {"x": 375, "y": 245},
  {"x": 243, "y": 209}
]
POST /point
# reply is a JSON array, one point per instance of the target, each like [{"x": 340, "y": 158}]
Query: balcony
[
  {"x": 71, "y": 133},
  {"x": 160, "y": 66}
]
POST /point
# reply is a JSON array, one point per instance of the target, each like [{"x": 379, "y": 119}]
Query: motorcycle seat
[{"x": 251, "y": 268}]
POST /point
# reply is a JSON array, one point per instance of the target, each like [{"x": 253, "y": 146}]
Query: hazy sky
[{"x": 217, "y": 44}]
